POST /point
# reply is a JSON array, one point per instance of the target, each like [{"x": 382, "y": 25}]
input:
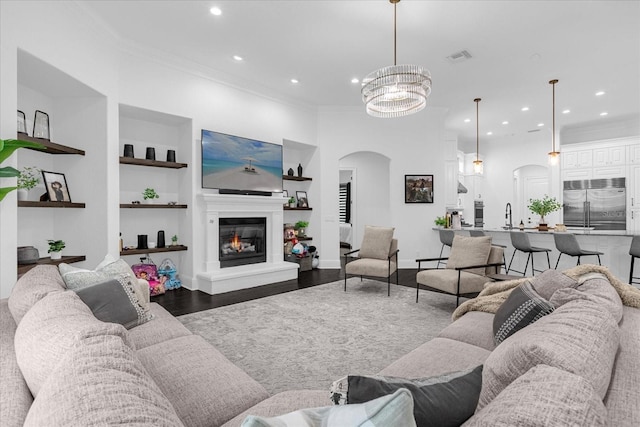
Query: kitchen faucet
[{"x": 507, "y": 215}]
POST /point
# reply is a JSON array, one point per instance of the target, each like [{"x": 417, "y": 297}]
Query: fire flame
[{"x": 235, "y": 243}]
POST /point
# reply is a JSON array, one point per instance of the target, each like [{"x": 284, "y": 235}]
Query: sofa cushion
[
  {"x": 474, "y": 328},
  {"x": 376, "y": 242},
  {"x": 34, "y": 285},
  {"x": 371, "y": 267},
  {"x": 549, "y": 281},
  {"x": 468, "y": 251},
  {"x": 445, "y": 400},
  {"x": 100, "y": 382},
  {"x": 523, "y": 307},
  {"x": 596, "y": 287},
  {"x": 447, "y": 280},
  {"x": 50, "y": 329},
  {"x": 544, "y": 396},
  {"x": 115, "y": 300},
  {"x": 283, "y": 403},
  {"x": 391, "y": 410},
  {"x": 211, "y": 378},
  {"x": 15, "y": 397},
  {"x": 578, "y": 337},
  {"x": 436, "y": 357},
  {"x": 162, "y": 327}
]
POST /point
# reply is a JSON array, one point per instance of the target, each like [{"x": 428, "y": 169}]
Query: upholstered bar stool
[
  {"x": 520, "y": 242},
  {"x": 634, "y": 251},
  {"x": 446, "y": 238},
  {"x": 567, "y": 244}
]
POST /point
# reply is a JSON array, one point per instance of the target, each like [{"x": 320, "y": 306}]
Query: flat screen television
[{"x": 237, "y": 165}]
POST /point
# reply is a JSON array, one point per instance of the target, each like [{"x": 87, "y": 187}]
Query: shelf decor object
[
  {"x": 171, "y": 156},
  {"x": 397, "y": 90},
  {"x": 22, "y": 122},
  {"x": 303, "y": 201},
  {"x": 128, "y": 150},
  {"x": 554, "y": 156},
  {"x": 151, "y": 153},
  {"x": 56, "y": 185},
  {"x": 41, "y": 125},
  {"x": 478, "y": 168}
]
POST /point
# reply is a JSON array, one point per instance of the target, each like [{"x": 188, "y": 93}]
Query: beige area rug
[{"x": 307, "y": 339}]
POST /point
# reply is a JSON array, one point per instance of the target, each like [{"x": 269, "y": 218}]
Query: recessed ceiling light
[
  {"x": 237, "y": 57},
  {"x": 505, "y": 122},
  {"x": 215, "y": 11},
  {"x": 294, "y": 81},
  {"x": 566, "y": 111},
  {"x": 540, "y": 125},
  {"x": 355, "y": 80},
  {"x": 467, "y": 120},
  {"x": 525, "y": 108},
  {"x": 600, "y": 93},
  {"x": 489, "y": 133},
  {"x": 604, "y": 113}
]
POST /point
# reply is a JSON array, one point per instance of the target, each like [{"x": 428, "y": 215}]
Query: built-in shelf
[
  {"x": 36, "y": 204},
  {"x": 286, "y": 208},
  {"x": 150, "y": 206},
  {"x": 173, "y": 248},
  {"x": 300, "y": 239},
  {"x": 23, "y": 268},
  {"x": 152, "y": 163},
  {"x": 50, "y": 147},
  {"x": 296, "y": 178}
]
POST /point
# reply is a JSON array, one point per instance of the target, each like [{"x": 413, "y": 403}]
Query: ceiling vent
[
  {"x": 457, "y": 57},
  {"x": 533, "y": 130}
]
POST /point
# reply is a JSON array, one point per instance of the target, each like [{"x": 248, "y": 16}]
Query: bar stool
[
  {"x": 446, "y": 238},
  {"x": 567, "y": 244},
  {"x": 481, "y": 233},
  {"x": 634, "y": 251},
  {"x": 520, "y": 242}
]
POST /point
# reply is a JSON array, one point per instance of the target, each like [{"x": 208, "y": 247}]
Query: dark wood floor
[{"x": 183, "y": 301}]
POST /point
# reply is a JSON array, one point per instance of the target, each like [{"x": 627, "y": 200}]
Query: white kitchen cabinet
[
  {"x": 609, "y": 156},
  {"x": 633, "y": 187},
  {"x": 576, "y": 174},
  {"x": 451, "y": 183},
  {"x": 634, "y": 224},
  {"x": 609, "y": 172},
  {"x": 634, "y": 153},
  {"x": 577, "y": 159}
]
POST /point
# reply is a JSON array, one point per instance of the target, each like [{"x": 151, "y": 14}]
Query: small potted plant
[
  {"x": 440, "y": 221},
  {"x": 301, "y": 227},
  {"x": 28, "y": 179},
  {"x": 149, "y": 194},
  {"x": 55, "y": 248},
  {"x": 542, "y": 207},
  {"x": 174, "y": 240},
  {"x": 292, "y": 202}
]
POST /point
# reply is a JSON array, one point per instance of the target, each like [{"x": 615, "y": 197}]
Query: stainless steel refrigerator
[{"x": 597, "y": 203}]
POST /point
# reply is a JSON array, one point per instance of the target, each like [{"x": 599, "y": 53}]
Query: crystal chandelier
[
  {"x": 478, "y": 168},
  {"x": 554, "y": 156},
  {"x": 397, "y": 90}
]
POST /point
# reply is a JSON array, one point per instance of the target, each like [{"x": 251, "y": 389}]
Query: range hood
[{"x": 461, "y": 188}]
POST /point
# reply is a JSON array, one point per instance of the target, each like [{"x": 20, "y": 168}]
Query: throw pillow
[
  {"x": 376, "y": 242},
  {"x": 392, "y": 410},
  {"x": 115, "y": 301},
  {"x": 34, "y": 285},
  {"x": 544, "y": 396},
  {"x": 523, "y": 307},
  {"x": 468, "y": 251},
  {"x": 549, "y": 281},
  {"x": 77, "y": 278},
  {"x": 445, "y": 400}
]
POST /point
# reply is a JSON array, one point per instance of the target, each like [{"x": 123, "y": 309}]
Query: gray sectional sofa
[{"x": 579, "y": 365}]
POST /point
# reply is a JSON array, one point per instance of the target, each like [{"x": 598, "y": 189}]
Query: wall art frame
[
  {"x": 56, "y": 185},
  {"x": 418, "y": 188}
]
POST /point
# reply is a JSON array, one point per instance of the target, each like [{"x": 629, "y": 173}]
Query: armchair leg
[
  {"x": 418, "y": 287},
  {"x": 345, "y": 281}
]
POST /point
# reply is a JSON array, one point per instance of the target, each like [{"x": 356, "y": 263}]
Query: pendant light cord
[
  {"x": 477, "y": 101},
  {"x": 395, "y": 4}
]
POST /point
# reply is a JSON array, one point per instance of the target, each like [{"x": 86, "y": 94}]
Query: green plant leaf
[
  {"x": 5, "y": 190},
  {"x": 8, "y": 172},
  {"x": 11, "y": 145}
]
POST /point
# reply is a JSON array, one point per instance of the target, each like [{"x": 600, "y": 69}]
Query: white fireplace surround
[{"x": 216, "y": 280}]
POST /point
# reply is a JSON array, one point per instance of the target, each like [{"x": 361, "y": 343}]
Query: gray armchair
[
  {"x": 471, "y": 262},
  {"x": 377, "y": 256}
]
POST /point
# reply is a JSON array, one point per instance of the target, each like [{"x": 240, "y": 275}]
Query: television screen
[{"x": 239, "y": 164}]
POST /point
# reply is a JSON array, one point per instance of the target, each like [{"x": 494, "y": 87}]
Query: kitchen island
[{"x": 613, "y": 243}]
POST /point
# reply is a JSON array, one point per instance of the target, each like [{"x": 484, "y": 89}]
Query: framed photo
[
  {"x": 285, "y": 196},
  {"x": 303, "y": 202},
  {"x": 418, "y": 188},
  {"x": 56, "y": 185}
]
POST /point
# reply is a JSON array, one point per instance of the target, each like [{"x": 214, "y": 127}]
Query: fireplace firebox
[{"x": 242, "y": 241}]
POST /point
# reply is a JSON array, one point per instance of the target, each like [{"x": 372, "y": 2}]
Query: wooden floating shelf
[
  {"x": 36, "y": 204},
  {"x": 150, "y": 206},
  {"x": 297, "y": 209},
  {"x": 154, "y": 163},
  {"x": 23, "y": 268},
  {"x": 296, "y": 178},
  {"x": 300, "y": 239},
  {"x": 50, "y": 147},
  {"x": 175, "y": 248}
]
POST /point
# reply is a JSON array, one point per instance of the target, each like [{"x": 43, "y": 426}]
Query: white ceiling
[{"x": 516, "y": 48}]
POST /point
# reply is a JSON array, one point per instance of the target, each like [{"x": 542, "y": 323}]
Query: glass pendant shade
[
  {"x": 478, "y": 167},
  {"x": 554, "y": 158},
  {"x": 396, "y": 90}
]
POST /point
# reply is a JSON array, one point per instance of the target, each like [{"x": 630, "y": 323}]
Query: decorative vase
[
  {"x": 299, "y": 170},
  {"x": 290, "y": 172},
  {"x": 302, "y": 232},
  {"x": 151, "y": 153},
  {"x": 171, "y": 156},
  {"x": 128, "y": 150},
  {"x": 142, "y": 241},
  {"x": 160, "y": 243},
  {"x": 28, "y": 255},
  {"x": 56, "y": 255},
  {"x": 147, "y": 201},
  {"x": 23, "y": 194}
]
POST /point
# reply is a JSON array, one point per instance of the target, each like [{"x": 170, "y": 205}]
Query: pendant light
[
  {"x": 477, "y": 163},
  {"x": 397, "y": 90},
  {"x": 554, "y": 156}
]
